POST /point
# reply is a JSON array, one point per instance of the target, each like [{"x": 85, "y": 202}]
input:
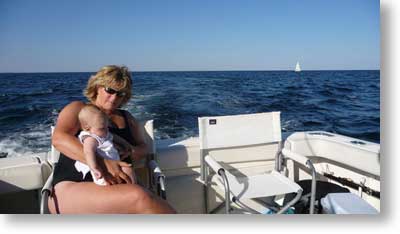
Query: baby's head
[{"x": 93, "y": 120}]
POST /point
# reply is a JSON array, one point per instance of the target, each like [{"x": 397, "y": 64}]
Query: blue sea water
[{"x": 344, "y": 102}]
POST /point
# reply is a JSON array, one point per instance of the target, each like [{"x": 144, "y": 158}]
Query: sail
[{"x": 297, "y": 69}]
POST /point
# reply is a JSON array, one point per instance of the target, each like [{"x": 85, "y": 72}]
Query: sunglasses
[{"x": 113, "y": 91}]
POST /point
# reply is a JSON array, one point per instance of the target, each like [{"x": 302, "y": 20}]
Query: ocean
[{"x": 343, "y": 102}]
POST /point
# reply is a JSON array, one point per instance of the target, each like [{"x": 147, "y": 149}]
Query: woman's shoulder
[
  {"x": 128, "y": 115},
  {"x": 132, "y": 121},
  {"x": 125, "y": 113},
  {"x": 71, "y": 110},
  {"x": 74, "y": 106}
]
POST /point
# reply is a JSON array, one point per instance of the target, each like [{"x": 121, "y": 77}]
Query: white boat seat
[
  {"x": 346, "y": 203},
  {"x": 258, "y": 185},
  {"x": 22, "y": 173},
  {"x": 231, "y": 134},
  {"x": 353, "y": 152}
]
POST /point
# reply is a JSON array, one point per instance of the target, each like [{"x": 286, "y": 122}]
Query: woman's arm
[{"x": 64, "y": 139}]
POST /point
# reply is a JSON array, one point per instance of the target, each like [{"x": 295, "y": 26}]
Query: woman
[{"x": 108, "y": 89}]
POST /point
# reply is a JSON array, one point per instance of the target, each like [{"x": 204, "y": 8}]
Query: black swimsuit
[{"x": 65, "y": 167}]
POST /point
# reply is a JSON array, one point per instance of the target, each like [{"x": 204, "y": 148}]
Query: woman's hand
[{"x": 113, "y": 173}]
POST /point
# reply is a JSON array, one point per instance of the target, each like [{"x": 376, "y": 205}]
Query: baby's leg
[{"x": 131, "y": 173}]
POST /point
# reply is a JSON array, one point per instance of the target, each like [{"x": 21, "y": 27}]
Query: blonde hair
[
  {"x": 89, "y": 113},
  {"x": 112, "y": 76}
]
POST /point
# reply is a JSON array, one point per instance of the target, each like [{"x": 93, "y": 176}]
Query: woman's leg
[{"x": 87, "y": 197}]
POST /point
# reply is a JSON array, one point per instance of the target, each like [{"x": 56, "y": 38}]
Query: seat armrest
[
  {"x": 155, "y": 170},
  {"x": 214, "y": 164},
  {"x": 45, "y": 193},
  {"x": 296, "y": 157},
  {"x": 157, "y": 178},
  {"x": 48, "y": 185},
  {"x": 306, "y": 162}
]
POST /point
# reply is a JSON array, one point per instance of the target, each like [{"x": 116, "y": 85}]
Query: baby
[{"x": 96, "y": 139}]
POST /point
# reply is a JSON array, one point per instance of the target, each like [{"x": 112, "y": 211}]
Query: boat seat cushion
[
  {"x": 22, "y": 173},
  {"x": 262, "y": 185}
]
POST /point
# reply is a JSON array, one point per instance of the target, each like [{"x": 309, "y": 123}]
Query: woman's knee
[
  {"x": 142, "y": 201},
  {"x": 138, "y": 196}
]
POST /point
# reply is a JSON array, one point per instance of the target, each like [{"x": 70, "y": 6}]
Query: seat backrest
[
  {"x": 245, "y": 144},
  {"x": 239, "y": 130},
  {"x": 148, "y": 135},
  {"x": 54, "y": 154}
]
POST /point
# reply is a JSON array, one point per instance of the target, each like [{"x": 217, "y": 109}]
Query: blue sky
[{"x": 175, "y": 35}]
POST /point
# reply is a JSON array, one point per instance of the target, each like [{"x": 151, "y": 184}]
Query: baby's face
[{"x": 99, "y": 127}]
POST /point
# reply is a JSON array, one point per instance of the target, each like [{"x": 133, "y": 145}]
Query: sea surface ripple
[{"x": 343, "y": 102}]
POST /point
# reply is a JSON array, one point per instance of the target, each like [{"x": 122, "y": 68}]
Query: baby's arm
[{"x": 89, "y": 149}]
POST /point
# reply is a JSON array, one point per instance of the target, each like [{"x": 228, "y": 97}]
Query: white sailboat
[{"x": 297, "y": 69}]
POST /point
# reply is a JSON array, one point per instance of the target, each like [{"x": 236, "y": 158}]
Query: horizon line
[{"x": 275, "y": 70}]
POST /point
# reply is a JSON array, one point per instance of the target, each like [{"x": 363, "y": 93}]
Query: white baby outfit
[{"x": 105, "y": 149}]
